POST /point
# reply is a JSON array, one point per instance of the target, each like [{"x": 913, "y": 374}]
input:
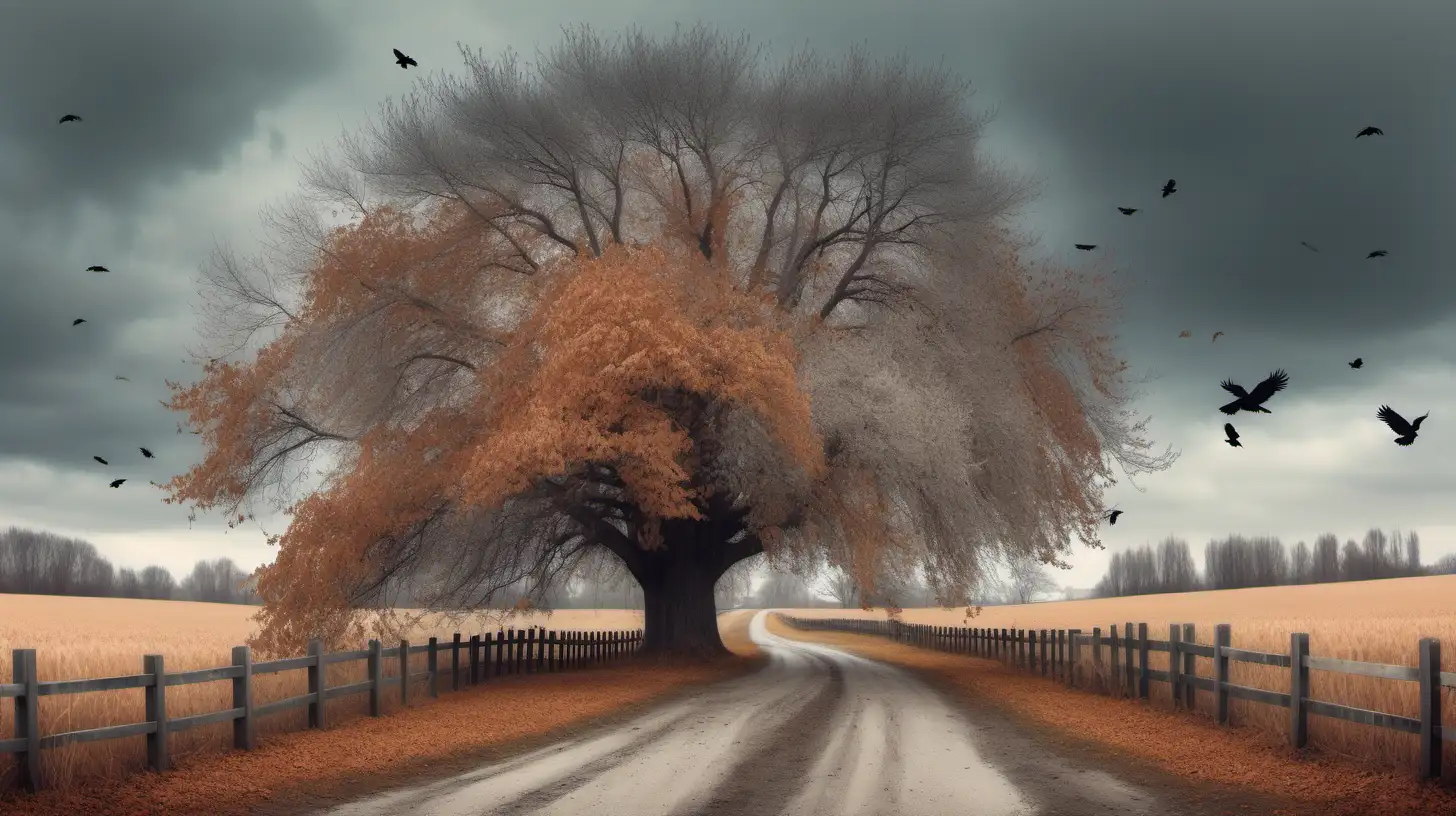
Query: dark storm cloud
[
  {"x": 164, "y": 89},
  {"x": 1253, "y": 108}
]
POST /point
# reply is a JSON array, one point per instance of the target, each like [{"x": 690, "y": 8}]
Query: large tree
[{"x": 654, "y": 301}]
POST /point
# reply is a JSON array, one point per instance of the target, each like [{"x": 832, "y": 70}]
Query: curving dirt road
[{"x": 817, "y": 732}]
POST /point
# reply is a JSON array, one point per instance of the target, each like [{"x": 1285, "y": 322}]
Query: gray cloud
[{"x": 193, "y": 111}]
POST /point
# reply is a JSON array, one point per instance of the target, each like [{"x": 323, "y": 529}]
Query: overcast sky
[{"x": 196, "y": 112}]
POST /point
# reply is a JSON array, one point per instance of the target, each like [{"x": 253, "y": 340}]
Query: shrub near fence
[
  {"x": 509, "y": 651},
  {"x": 1056, "y": 653}
]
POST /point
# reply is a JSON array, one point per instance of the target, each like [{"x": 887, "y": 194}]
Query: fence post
[
  {"x": 27, "y": 716},
  {"x": 1127, "y": 642},
  {"x": 1298, "y": 689},
  {"x": 475, "y": 658},
  {"x": 243, "y": 698},
  {"x": 376, "y": 678},
  {"x": 530, "y": 650},
  {"x": 316, "y": 684},
  {"x": 156, "y": 712},
  {"x": 455, "y": 662},
  {"x": 1113, "y": 687},
  {"x": 1430, "y": 668},
  {"x": 1174, "y": 681},
  {"x": 1143, "y": 650},
  {"x": 1076, "y": 657},
  {"x": 553, "y": 653},
  {"x": 1096, "y": 657},
  {"x": 500, "y": 651},
  {"x": 1221, "y": 641},
  {"x": 1044, "y": 651},
  {"x": 404, "y": 672},
  {"x": 1190, "y": 670},
  {"x": 432, "y": 664}
]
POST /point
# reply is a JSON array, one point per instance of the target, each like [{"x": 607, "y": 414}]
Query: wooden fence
[
  {"x": 1056, "y": 653},
  {"x": 523, "y": 651}
]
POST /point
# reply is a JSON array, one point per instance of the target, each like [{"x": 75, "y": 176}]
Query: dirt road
[{"x": 817, "y": 732}]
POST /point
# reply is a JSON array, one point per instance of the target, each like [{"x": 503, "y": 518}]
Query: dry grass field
[
  {"x": 1375, "y": 621},
  {"x": 83, "y": 638}
]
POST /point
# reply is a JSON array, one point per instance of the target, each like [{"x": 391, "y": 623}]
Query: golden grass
[
  {"x": 1193, "y": 748},
  {"x": 306, "y": 769},
  {"x": 1373, "y": 621},
  {"x": 85, "y": 638}
]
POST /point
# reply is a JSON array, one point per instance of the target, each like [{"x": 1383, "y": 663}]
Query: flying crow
[
  {"x": 1379, "y": 253},
  {"x": 1185, "y": 333},
  {"x": 1357, "y": 362},
  {"x": 1307, "y": 245},
  {"x": 1370, "y": 131},
  {"x": 1127, "y": 210},
  {"x": 70, "y": 117},
  {"x": 147, "y": 453},
  {"x": 1405, "y": 431},
  {"x": 78, "y": 321},
  {"x": 97, "y": 269},
  {"x": 1233, "y": 435},
  {"x": 1170, "y": 188},
  {"x": 102, "y": 461},
  {"x": 117, "y": 483},
  {"x": 119, "y": 377},
  {"x": 1216, "y": 335},
  {"x": 402, "y": 61},
  {"x": 1086, "y": 247},
  {"x": 1112, "y": 517},
  {"x": 1253, "y": 401}
]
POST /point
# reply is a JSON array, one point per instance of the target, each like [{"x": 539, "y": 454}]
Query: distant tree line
[
  {"x": 41, "y": 563},
  {"x": 1237, "y": 562}
]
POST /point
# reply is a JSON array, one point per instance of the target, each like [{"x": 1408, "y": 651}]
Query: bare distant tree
[
  {"x": 1028, "y": 579},
  {"x": 1300, "y": 565},
  {"x": 843, "y": 588},
  {"x": 1326, "y": 566},
  {"x": 1445, "y": 565}
]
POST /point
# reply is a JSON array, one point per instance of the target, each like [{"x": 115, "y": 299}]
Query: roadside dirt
[
  {"x": 1190, "y": 747},
  {"x": 304, "y": 770}
]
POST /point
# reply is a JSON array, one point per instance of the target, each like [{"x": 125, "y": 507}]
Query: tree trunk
[{"x": 677, "y": 586}]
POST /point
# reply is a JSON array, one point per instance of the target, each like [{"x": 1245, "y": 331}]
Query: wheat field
[
  {"x": 85, "y": 638},
  {"x": 1373, "y": 621}
]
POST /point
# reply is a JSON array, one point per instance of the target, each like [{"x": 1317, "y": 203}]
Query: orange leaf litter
[
  {"x": 455, "y": 725},
  {"x": 1189, "y": 746}
]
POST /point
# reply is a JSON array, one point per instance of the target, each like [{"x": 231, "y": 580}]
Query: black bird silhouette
[
  {"x": 70, "y": 117},
  {"x": 1127, "y": 210},
  {"x": 1253, "y": 401},
  {"x": 1216, "y": 335},
  {"x": 1307, "y": 245},
  {"x": 1233, "y": 435},
  {"x": 1086, "y": 247},
  {"x": 1370, "y": 131},
  {"x": 1405, "y": 431},
  {"x": 1170, "y": 188},
  {"x": 402, "y": 61},
  {"x": 102, "y": 461},
  {"x": 146, "y": 453},
  {"x": 78, "y": 321},
  {"x": 1357, "y": 362},
  {"x": 1112, "y": 517},
  {"x": 97, "y": 269},
  {"x": 119, "y": 377},
  {"x": 117, "y": 483},
  {"x": 1379, "y": 253}
]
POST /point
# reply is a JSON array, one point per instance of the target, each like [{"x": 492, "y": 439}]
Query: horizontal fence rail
[
  {"x": 1056, "y": 653},
  {"x": 507, "y": 651}
]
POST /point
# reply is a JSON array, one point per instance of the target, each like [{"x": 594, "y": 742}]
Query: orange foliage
[{"x": 585, "y": 380}]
